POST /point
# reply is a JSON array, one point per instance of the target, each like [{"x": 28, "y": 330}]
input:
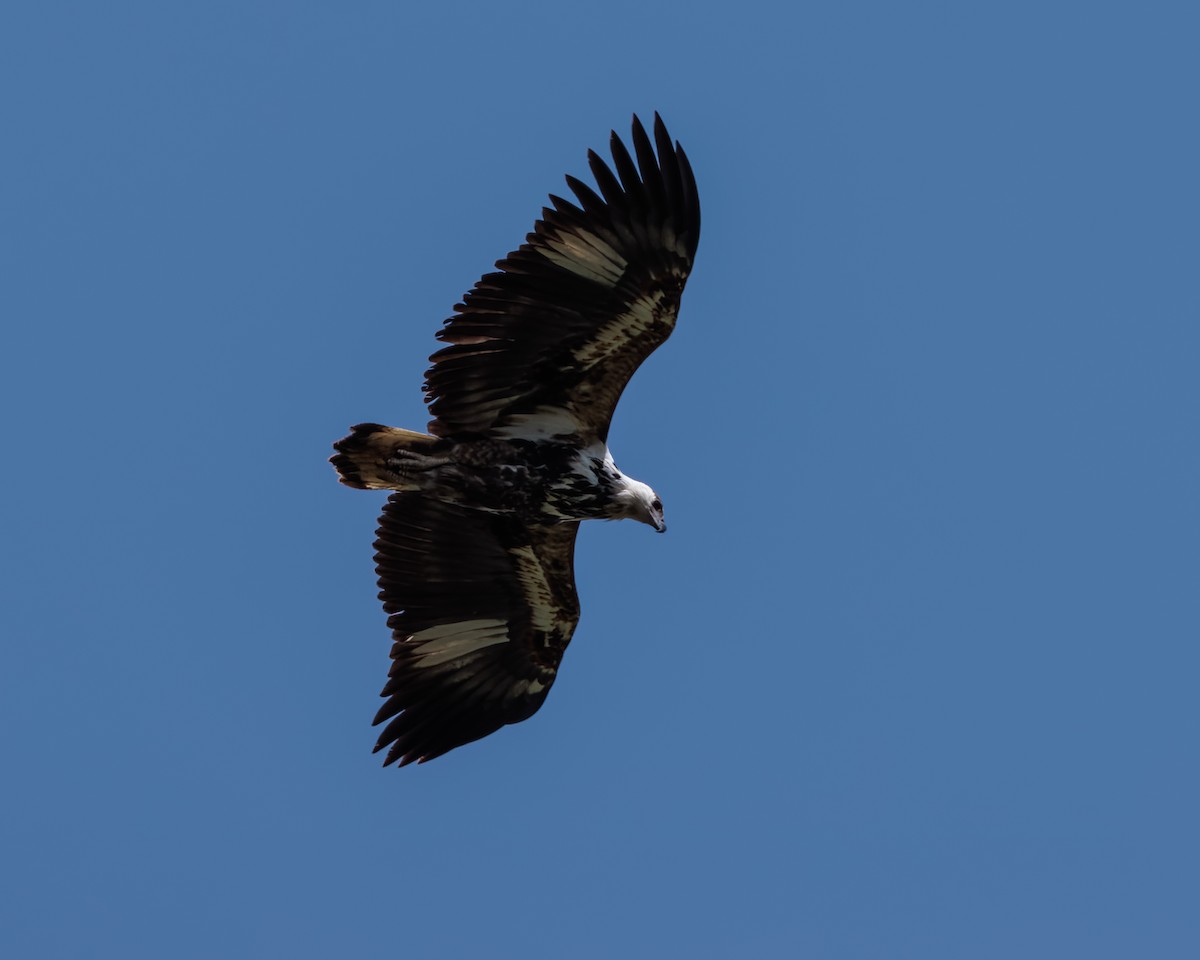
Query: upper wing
[
  {"x": 547, "y": 345},
  {"x": 482, "y": 609}
]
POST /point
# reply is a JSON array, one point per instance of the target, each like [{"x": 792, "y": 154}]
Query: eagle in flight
[{"x": 475, "y": 548}]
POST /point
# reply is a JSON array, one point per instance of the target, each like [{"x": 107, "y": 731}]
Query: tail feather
[{"x": 375, "y": 457}]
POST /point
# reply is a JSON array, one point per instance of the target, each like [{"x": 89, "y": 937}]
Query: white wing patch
[
  {"x": 599, "y": 451},
  {"x": 585, "y": 255},
  {"x": 544, "y": 423},
  {"x": 447, "y": 641}
]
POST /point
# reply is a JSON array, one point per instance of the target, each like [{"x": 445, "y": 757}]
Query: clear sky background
[{"x": 913, "y": 674}]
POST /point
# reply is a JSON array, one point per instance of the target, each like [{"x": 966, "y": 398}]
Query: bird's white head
[{"x": 636, "y": 501}]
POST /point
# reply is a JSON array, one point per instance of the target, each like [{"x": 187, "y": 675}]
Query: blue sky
[{"x": 914, "y": 672}]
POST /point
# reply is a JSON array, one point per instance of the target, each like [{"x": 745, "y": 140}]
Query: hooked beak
[{"x": 659, "y": 525}]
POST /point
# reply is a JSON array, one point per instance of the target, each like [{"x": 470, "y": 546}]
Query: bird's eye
[{"x": 657, "y": 505}]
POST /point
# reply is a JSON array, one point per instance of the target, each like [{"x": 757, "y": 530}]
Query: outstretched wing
[
  {"x": 482, "y": 609},
  {"x": 546, "y": 346}
]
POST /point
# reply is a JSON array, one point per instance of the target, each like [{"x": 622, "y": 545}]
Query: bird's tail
[{"x": 375, "y": 457}]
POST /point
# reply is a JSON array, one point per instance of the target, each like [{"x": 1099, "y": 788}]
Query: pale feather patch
[
  {"x": 599, "y": 450},
  {"x": 447, "y": 641},
  {"x": 672, "y": 241},
  {"x": 585, "y": 255},
  {"x": 544, "y": 423},
  {"x": 544, "y": 610},
  {"x": 527, "y": 688},
  {"x": 644, "y": 313}
]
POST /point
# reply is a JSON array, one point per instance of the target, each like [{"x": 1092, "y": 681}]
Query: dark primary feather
[
  {"x": 572, "y": 313},
  {"x": 441, "y": 569}
]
